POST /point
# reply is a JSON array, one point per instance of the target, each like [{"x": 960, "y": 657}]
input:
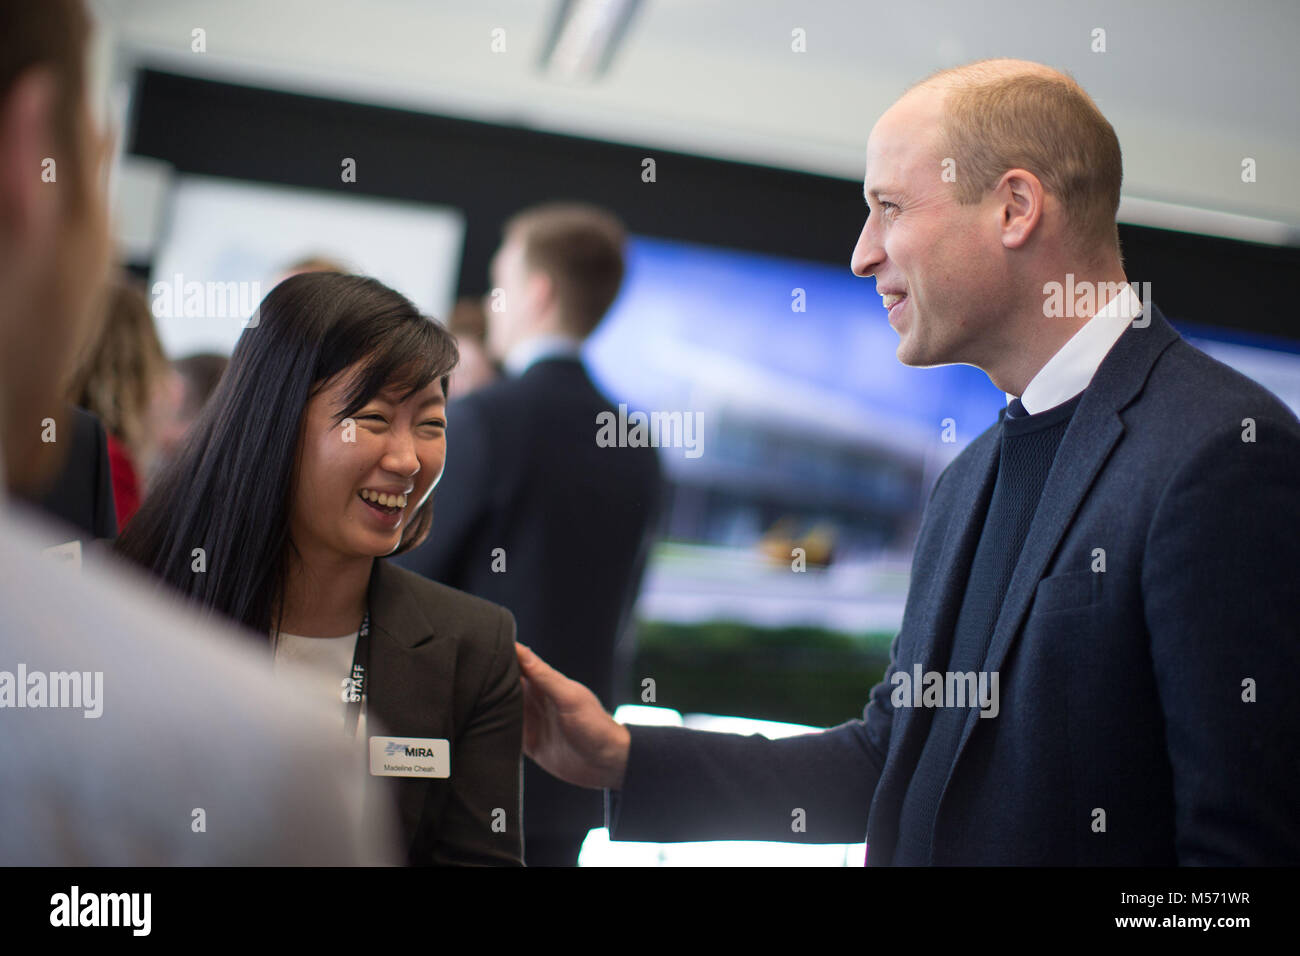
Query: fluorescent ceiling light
[{"x": 585, "y": 36}]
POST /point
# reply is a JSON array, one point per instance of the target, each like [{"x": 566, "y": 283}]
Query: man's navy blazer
[{"x": 1149, "y": 711}]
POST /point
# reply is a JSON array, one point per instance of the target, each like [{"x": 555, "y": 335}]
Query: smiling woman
[{"x": 314, "y": 460}]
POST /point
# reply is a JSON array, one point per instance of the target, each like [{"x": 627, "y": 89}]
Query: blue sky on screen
[
  {"x": 695, "y": 320},
  {"x": 695, "y": 324}
]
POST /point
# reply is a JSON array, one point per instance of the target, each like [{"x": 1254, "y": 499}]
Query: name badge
[
  {"x": 68, "y": 553},
  {"x": 410, "y": 757}
]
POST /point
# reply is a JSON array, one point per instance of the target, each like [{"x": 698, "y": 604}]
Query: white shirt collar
[
  {"x": 1068, "y": 372},
  {"x": 530, "y": 351}
]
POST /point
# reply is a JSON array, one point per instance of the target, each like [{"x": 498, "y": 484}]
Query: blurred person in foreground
[
  {"x": 531, "y": 512},
  {"x": 121, "y": 378},
  {"x": 133, "y": 733},
  {"x": 1114, "y": 559}
]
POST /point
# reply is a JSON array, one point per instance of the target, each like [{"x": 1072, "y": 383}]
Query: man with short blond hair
[
  {"x": 579, "y": 249},
  {"x": 1114, "y": 558},
  {"x": 1058, "y": 131}
]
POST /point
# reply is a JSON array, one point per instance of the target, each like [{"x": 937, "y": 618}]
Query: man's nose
[{"x": 868, "y": 253}]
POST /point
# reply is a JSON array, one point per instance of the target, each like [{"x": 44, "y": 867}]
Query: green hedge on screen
[{"x": 801, "y": 675}]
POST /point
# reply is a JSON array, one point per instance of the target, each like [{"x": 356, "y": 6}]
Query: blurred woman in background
[{"x": 119, "y": 378}]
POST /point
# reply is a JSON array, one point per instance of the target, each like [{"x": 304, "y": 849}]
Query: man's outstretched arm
[{"x": 671, "y": 784}]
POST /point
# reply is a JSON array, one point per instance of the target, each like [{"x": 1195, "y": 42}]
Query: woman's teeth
[{"x": 383, "y": 500}]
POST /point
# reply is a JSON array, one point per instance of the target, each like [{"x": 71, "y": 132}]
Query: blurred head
[
  {"x": 557, "y": 271},
  {"x": 467, "y": 320},
  {"x": 199, "y": 374},
  {"x": 53, "y": 224},
  {"x": 123, "y": 370},
  {"x": 313, "y": 263},
  {"x": 336, "y": 396},
  {"x": 186, "y": 389},
  {"x": 468, "y": 323},
  {"x": 982, "y": 183}
]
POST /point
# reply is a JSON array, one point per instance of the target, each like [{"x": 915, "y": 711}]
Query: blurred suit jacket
[
  {"x": 81, "y": 494},
  {"x": 443, "y": 665},
  {"x": 1121, "y": 691},
  {"x": 524, "y": 474}
]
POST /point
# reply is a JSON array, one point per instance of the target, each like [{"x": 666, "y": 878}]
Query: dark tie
[{"x": 1016, "y": 409}]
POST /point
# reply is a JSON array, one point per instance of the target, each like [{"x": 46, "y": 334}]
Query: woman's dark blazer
[{"x": 442, "y": 665}]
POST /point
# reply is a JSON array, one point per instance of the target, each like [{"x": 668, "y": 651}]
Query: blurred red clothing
[{"x": 126, "y": 482}]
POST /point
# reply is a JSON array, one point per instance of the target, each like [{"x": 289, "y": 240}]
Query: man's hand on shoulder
[{"x": 566, "y": 730}]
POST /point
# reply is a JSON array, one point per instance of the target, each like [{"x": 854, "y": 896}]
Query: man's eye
[
  {"x": 890, "y": 204},
  {"x": 437, "y": 423}
]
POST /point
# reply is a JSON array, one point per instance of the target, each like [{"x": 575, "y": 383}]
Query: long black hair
[{"x": 229, "y": 489}]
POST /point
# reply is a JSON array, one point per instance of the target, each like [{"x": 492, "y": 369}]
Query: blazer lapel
[
  {"x": 936, "y": 599},
  {"x": 940, "y": 607},
  {"x": 1092, "y": 433},
  {"x": 394, "y": 610},
  {"x": 405, "y": 697}
]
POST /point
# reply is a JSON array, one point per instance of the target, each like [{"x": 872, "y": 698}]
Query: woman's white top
[{"x": 323, "y": 661}]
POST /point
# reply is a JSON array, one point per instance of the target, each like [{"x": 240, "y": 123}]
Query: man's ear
[
  {"x": 541, "y": 292},
  {"x": 1020, "y": 206},
  {"x": 30, "y": 174}
]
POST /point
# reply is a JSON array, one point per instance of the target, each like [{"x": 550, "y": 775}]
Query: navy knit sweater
[{"x": 1029, "y": 446}]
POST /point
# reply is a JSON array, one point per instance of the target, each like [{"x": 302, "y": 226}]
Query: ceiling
[{"x": 1191, "y": 86}]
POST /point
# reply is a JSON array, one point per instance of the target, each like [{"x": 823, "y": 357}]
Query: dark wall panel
[{"x": 490, "y": 171}]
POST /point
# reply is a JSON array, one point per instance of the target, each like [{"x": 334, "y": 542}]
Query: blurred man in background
[
  {"x": 530, "y": 512},
  {"x": 130, "y": 731}
]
